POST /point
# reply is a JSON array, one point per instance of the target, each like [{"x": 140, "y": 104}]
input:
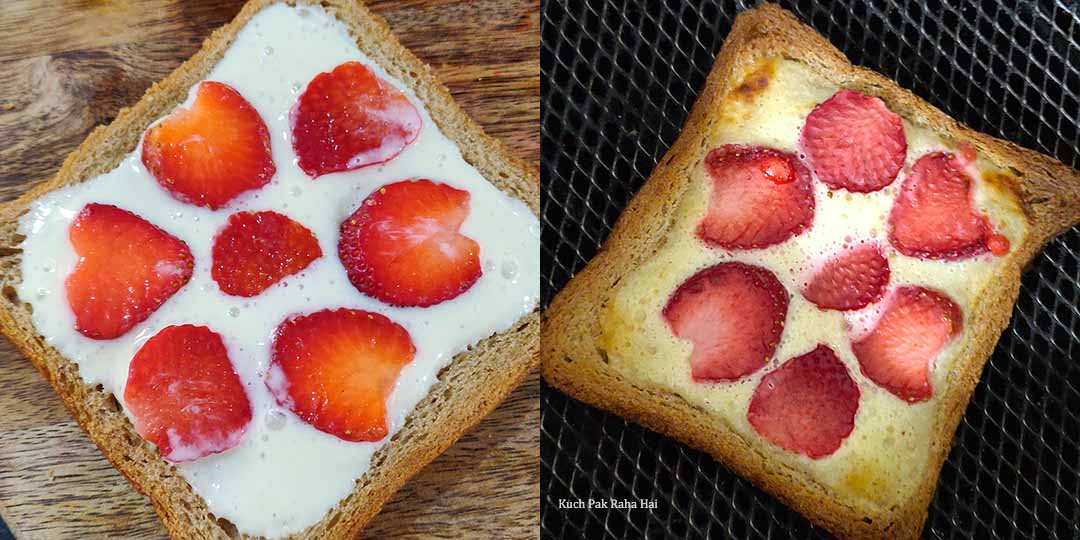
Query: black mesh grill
[{"x": 617, "y": 84}]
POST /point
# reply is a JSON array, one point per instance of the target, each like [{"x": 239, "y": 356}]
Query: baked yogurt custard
[
  {"x": 818, "y": 317},
  {"x": 274, "y": 278}
]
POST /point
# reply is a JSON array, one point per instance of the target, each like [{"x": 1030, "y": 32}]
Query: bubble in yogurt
[
  {"x": 276, "y": 419},
  {"x": 509, "y": 269},
  {"x": 234, "y": 311}
]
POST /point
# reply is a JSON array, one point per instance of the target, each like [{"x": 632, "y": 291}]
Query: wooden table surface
[{"x": 70, "y": 65}]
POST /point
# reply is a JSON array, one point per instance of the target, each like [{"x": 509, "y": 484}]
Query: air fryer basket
[{"x": 618, "y": 80}]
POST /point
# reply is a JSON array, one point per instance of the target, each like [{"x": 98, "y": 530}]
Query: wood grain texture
[{"x": 68, "y": 66}]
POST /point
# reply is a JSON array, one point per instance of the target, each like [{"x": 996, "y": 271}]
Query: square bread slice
[
  {"x": 609, "y": 337},
  {"x": 467, "y": 389}
]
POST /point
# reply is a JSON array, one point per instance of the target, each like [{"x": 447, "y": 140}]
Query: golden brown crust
[
  {"x": 474, "y": 383},
  {"x": 572, "y": 360}
]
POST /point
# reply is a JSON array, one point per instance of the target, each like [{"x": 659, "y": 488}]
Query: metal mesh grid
[{"x": 618, "y": 80}]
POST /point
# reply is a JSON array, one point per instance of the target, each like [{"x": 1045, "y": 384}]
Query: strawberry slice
[
  {"x": 933, "y": 217},
  {"x": 854, "y": 142},
  {"x": 257, "y": 249},
  {"x": 733, "y": 313},
  {"x": 184, "y": 395},
  {"x": 212, "y": 152},
  {"x": 760, "y": 197},
  {"x": 335, "y": 369},
  {"x": 402, "y": 245},
  {"x": 899, "y": 352},
  {"x": 127, "y": 268},
  {"x": 807, "y": 405},
  {"x": 852, "y": 279},
  {"x": 350, "y": 118}
]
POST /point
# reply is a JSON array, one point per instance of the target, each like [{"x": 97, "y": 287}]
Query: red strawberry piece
[
  {"x": 899, "y": 352},
  {"x": 852, "y": 279},
  {"x": 335, "y": 369},
  {"x": 933, "y": 217},
  {"x": 210, "y": 153},
  {"x": 127, "y": 268},
  {"x": 760, "y": 197},
  {"x": 402, "y": 245},
  {"x": 733, "y": 313},
  {"x": 184, "y": 394},
  {"x": 350, "y": 118},
  {"x": 807, "y": 405},
  {"x": 966, "y": 153},
  {"x": 998, "y": 244},
  {"x": 854, "y": 142},
  {"x": 257, "y": 249}
]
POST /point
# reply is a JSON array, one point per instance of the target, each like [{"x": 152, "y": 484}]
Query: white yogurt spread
[{"x": 285, "y": 475}]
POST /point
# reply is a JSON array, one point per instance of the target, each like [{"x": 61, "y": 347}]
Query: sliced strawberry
[
  {"x": 854, "y": 142},
  {"x": 933, "y": 217},
  {"x": 760, "y": 197},
  {"x": 257, "y": 249},
  {"x": 852, "y": 279},
  {"x": 335, "y": 369},
  {"x": 733, "y": 313},
  {"x": 898, "y": 354},
  {"x": 184, "y": 395},
  {"x": 350, "y": 118},
  {"x": 402, "y": 246},
  {"x": 127, "y": 268},
  {"x": 807, "y": 405},
  {"x": 212, "y": 152}
]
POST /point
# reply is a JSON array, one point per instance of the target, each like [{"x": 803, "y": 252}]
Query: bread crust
[
  {"x": 572, "y": 359},
  {"x": 468, "y": 389}
]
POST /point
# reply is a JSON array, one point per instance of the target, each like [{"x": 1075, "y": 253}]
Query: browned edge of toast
[
  {"x": 468, "y": 389},
  {"x": 573, "y": 361}
]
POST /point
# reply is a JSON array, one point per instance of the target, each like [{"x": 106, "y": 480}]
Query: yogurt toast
[
  {"x": 809, "y": 283},
  {"x": 452, "y": 391}
]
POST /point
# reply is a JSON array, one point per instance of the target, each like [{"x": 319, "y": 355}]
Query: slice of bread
[
  {"x": 468, "y": 388},
  {"x": 604, "y": 340}
]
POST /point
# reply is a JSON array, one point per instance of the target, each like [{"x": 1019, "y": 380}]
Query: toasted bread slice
[
  {"x": 468, "y": 388},
  {"x": 604, "y": 337}
]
